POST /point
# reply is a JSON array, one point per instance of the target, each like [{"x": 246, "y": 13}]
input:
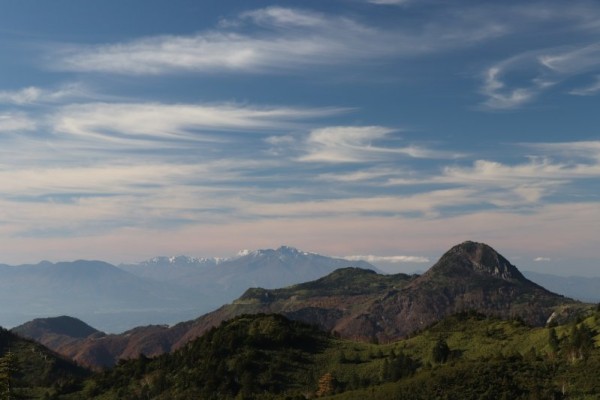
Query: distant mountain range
[
  {"x": 164, "y": 290},
  {"x": 167, "y": 290},
  {"x": 228, "y": 278},
  {"x": 353, "y": 302},
  {"x": 582, "y": 288},
  {"x": 94, "y": 291}
]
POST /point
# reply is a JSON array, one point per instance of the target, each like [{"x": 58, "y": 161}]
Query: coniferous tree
[
  {"x": 8, "y": 368},
  {"x": 553, "y": 341},
  {"x": 440, "y": 351}
]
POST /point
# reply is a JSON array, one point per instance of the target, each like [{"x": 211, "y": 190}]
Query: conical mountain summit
[{"x": 476, "y": 257}]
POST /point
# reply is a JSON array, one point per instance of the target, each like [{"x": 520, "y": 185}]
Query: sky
[{"x": 387, "y": 130}]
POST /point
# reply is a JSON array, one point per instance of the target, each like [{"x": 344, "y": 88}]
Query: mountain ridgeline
[
  {"x": 158, "y": 291},
  {"x": 470, "y": 276},
  {"x": 354, "y": 303}
]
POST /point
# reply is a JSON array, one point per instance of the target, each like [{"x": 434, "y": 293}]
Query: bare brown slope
[{"x": 470, "y": 276}]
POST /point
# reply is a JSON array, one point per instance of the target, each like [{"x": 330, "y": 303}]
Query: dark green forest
[{"x": 466, "y": 356}]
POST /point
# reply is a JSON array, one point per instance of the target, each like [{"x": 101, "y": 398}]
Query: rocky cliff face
[
  {"x": 470, "y": 258},
  {"x": 468, "y": 277}
]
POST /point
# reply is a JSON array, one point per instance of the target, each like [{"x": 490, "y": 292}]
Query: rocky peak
[{"x": 479, "y": 258}]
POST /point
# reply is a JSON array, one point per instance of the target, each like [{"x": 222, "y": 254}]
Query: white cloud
[
  {"x": 501, "y": 97},
  {"x": 80, "y": 199},
  {"x": 23, "y": 96},
  {"x": 589, "y": 90},
  {"x": 357, "y": 176},
  {"x": 32, "y": 94},
  {"x": 280, "y": 140},
  {"x": 285, "y": 17},
  {"x": 542, "y": 259},
  {"x": 351, "y": 144},
  {"x": 132, "y": 123},
  {"x": 536, "y": 169},
  {"x": 427, "y": 203},
  {"x": 318, "y": 39},
  {"x": 546, "y": 69},
  {"x": 586, "y": 150},
  {"x": 528, "y": 182},
  {"x": 572, "y": 61},
  {"x": 94, "y": 179},
  {"x": 283, "y": 39},
  {"x": 345, "y": 144},
  {"x": 16, "y": 122},
  {"x": 525, "y": 76},
  {"x": 388, "y": 259}
]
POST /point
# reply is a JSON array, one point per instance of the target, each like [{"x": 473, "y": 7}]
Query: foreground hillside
[
  {"x": 466, "y": 356},
  {"x": 29, "y": 370},
  {"x": 355, "y": 304}
]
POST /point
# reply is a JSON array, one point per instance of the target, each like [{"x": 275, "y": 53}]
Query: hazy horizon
[{"x": 389, "y": 264}]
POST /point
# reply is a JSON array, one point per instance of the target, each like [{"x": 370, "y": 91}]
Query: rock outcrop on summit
[{"x": 469, "y": 277}]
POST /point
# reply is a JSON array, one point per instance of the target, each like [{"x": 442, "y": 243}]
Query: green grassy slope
[{"x": 270, "y": 357}]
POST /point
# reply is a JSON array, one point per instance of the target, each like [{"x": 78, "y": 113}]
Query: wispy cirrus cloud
[
  {"x": 513, "y": 185},
  {"x": 525, "y": 183},
  {"x": 34, "y": 94},
  {"x": 579, "y": 150},
  {"x": 537, "y": 169},
  {"x": 505, "y": 88},
  {"x": 13, "y": 122},
  {"x": 428, "y": 203},
  {"x": 572, "y": 60},
  {"x": 279, "y": 39},
  {"x": 351, "y": 144},
  {"x": 589, "y": 90},
  {"x": 291, "y": 38},
  {"x": 369, "y": 174},
  {"x": 95, "y": 179},
  {"x": 540, "y": 67},
  {"x": 130, "y": 123},
  {"x": 500, "y": 95}
]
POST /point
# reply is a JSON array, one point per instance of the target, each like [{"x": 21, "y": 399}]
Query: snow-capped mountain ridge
[
  {"x": 282, "y": 252},
  {"x": 183, "y": 260}
]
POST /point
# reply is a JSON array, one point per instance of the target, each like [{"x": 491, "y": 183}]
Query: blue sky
[{"x": 390, "y": 128}]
